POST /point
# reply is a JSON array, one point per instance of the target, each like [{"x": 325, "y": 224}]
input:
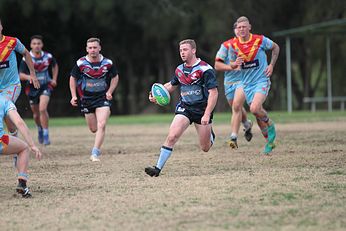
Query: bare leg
[
  {"x": 204, "y": 133},
  {"x": 102, "y": 115},
  {"x": 179, "y": 124},
  {"x": 44, "y": 116},
  {"x": 90, "y": 118},
  {"x": 36, "y": 114},
  {"x": 261, "y": 115},
  {"x": 19, "y": 147}
]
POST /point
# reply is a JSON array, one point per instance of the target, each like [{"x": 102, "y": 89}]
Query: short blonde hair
[
  {"x": 188, "y": 41},
  {"x": 242, "y": 19},
  {"x": 90, "y": 40}
]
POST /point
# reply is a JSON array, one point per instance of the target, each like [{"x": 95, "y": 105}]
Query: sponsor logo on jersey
[
  {"x": 4, "y": 65},
  {"x": 192, "y": 92},
  {"x": 250, "y": 64},
  {"x": 86, "y": 70},
  {"x": 181, "y": 109}
]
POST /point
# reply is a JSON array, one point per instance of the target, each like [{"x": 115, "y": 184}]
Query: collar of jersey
[
  {"x": 246, "y": 40},
  {"x": 33, "y": 55},
  {"x": 87, "y": 58},
  {"x": 195, "y": 64}
]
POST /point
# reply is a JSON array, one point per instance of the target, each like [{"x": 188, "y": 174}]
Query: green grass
[{"x": 278, "y": 117}]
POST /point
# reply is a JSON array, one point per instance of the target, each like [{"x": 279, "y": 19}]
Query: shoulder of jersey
[
  {"x": 49, "y": 55},
  {"x": 108, "y": 61},
  {"x": 228, "y": 43},
  {"x": 205, "y": 66},
  {"x": 180, "y": 67},
  {"x": 81, "y": 61},
  {"x": 256, "y": 36}
]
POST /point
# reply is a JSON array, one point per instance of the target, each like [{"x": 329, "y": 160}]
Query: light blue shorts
[
  {"x": 230, "y": 88},
  {"x": 12, "y": 92},
  {"x": 251, "y": 89}
]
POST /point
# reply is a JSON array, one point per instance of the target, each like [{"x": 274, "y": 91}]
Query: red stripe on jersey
[
  {"x": 247, "y": 50},
  {"x": 7, "y": 45}
]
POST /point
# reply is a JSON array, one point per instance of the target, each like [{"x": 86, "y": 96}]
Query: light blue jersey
[
  {"x": 8, "y": 62},
  {"x": 231, "y": 78},
  {"x": 254, "y": 56}
]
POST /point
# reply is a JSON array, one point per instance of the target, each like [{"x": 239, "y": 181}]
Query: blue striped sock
[
  {"x": 23, "y": 175},
  {"x": 164, "y": 155},
  {"x": 95, "y": 151}
]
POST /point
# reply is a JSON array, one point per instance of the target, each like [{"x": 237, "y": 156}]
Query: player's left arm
[
  {"x": 112, "y": 86},
  {"x": 30, "y": 64},
  {"x": 212, "y": 100},
  {"x": 211, "y": 84},
  {"x": 274, "y": 57},
  {"x": 55, "y": 72}
]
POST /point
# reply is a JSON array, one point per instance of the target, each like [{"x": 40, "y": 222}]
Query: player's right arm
[
  {"x": 30, "y": 64},
  {"x": 73, "y": 90},
  {"x": 24, "y": 130},
  {"x": 221, "y": 66},
  {"x": 221, "y": 56},
  {"x": 170, "y": 88},
  {"x": 24, "y": 73},
  {"x": 237, "y": 63},
  {"x": 75, "y": 73}
]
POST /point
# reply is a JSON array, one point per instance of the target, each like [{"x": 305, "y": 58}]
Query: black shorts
[
  {"x": 194, "y": 114},
  {"x": 89, "y": 106},
  {"x": 34, "y": 94}
]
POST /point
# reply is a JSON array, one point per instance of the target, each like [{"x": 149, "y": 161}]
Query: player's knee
[
  {"x": 237, "y": 107},
  {"x": 43, "y": 110},
  {"x": 101, "y": 125},
  {"x": 255, "y": 109},
  {"x": 24, "y": 149},
  {"x": 35, "y": 115},
  {"x": 93, "y": 129},
  {"x": 172, "y": 139}
]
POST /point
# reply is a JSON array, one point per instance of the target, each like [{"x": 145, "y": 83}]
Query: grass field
[{"x": 302, "y": 186}]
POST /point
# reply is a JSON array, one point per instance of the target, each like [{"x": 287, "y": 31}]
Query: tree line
[{"x": 142, "y": 37}]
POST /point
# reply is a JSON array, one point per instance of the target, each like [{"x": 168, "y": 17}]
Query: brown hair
[
  {"x": 37, "y": 36},
  {"x": 242, "y": 19},
  {"x": 188, "y": 41},
  {"x": 90, "y": 40}
]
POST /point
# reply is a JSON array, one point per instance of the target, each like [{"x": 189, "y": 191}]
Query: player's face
[
  {"x": 243, "y": 29},
  {"x": 93, "y": 49},
  {"x": 186, "y": 52},
  {"x": 36, "y": 45}
]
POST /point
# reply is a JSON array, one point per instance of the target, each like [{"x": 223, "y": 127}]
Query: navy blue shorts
[
  {"x": 194, "y": 114},
  {"x": 34, "y": 94},
  {"x": 89, "y": 106}
]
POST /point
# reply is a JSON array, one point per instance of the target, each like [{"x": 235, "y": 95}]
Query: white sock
[{"x": 246, "y": 124}]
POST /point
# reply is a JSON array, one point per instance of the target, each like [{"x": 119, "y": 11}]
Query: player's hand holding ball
[
  {"x": 152, "y": 98},
  {"x": 159, "y": 95}
]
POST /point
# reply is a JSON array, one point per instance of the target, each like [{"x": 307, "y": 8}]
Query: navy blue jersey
[
  {"x": 41, "y": 65},
  {"x": 194, "y": 83},
  {"x": 93, "y": 79}
]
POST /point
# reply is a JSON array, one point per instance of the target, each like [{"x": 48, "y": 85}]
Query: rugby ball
[{"x": 160, "y": 93}]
